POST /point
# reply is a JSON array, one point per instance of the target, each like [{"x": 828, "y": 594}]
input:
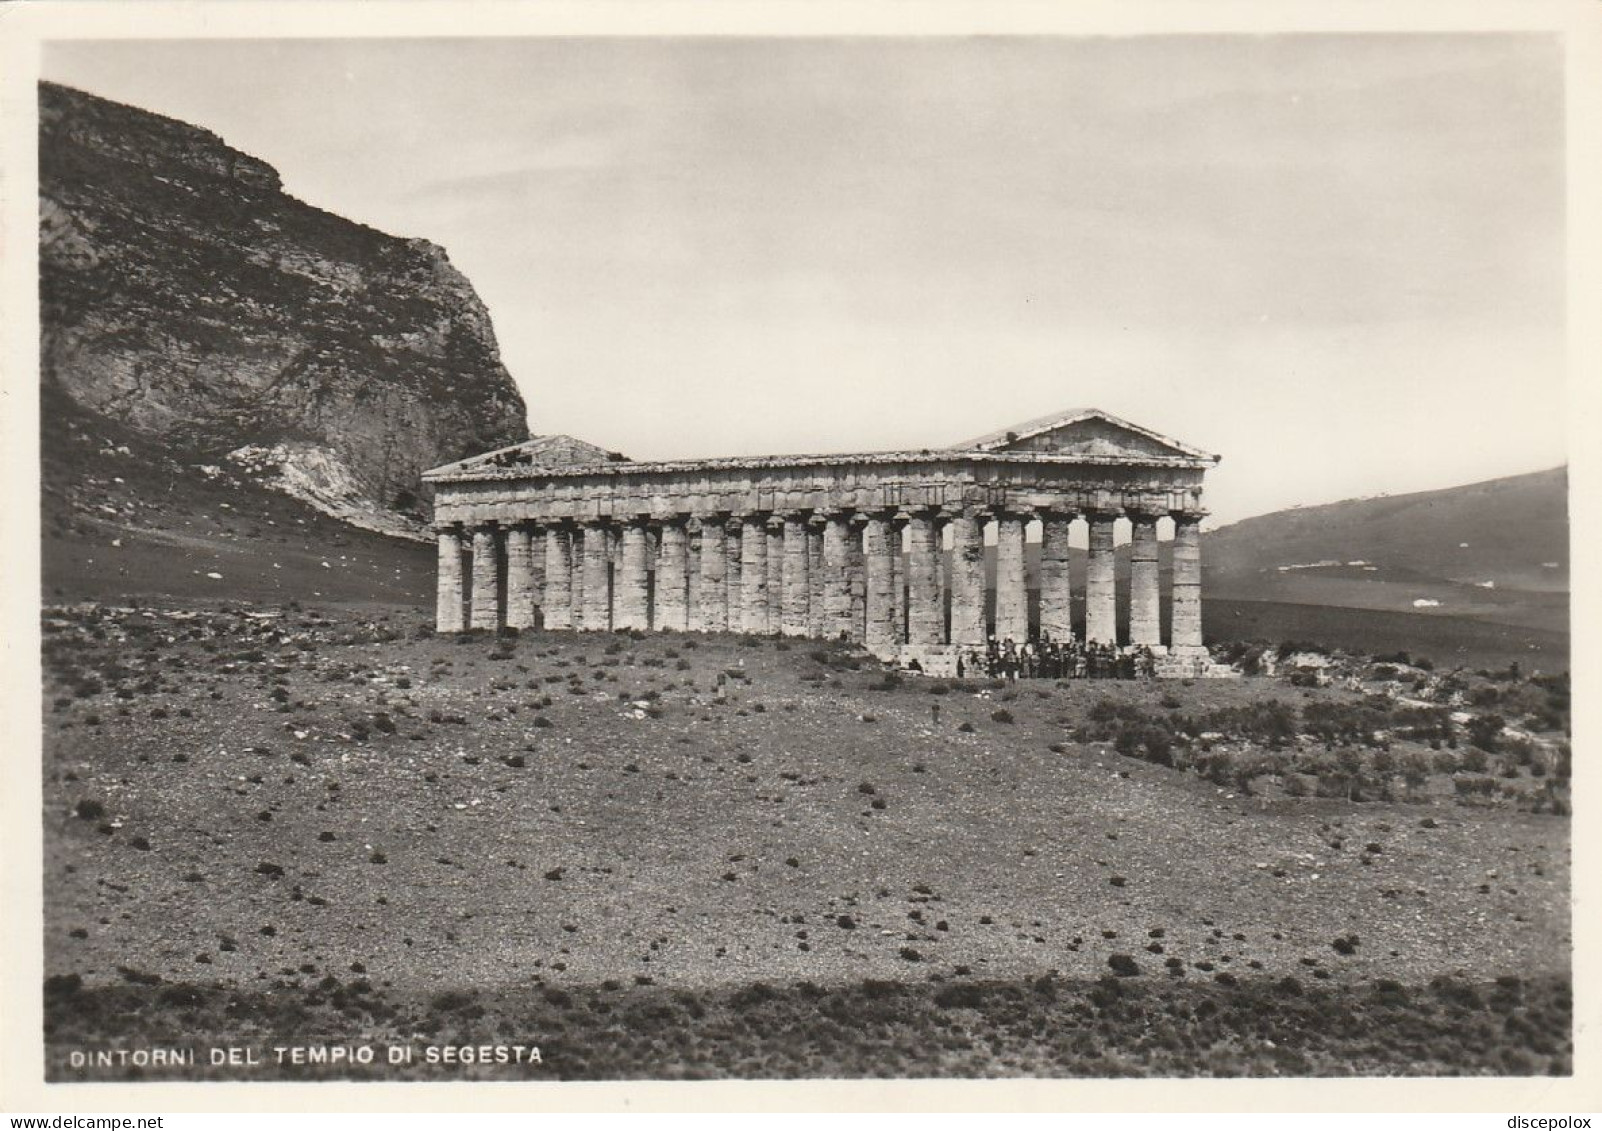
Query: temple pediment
[
  {"x": 1086, "y": 432},
  {"x": 553, "y": 451}
]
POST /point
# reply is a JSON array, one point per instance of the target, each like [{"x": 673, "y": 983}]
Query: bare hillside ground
[{"x": 701, "y": 856}]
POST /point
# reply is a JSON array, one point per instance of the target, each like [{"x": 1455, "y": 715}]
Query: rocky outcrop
[{"x": 185, "y": 295}]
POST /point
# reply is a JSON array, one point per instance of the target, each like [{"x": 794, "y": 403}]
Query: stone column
[
  {"x": 536, "y": 557},
  {"x": 575, "y": 555},
  {"x": 1187, "y": 626},
  {"x": 519, "y": 577},
  {"x": 898, "y": 579},
  {"x": 817, "y": 610},
  {"x": 734, "y": 574},
  {"x": 597, "y": 580},
  {"x": 1056, "y": 592},
  {"x": 924, "y": 620},
  {"x": 879, "y": 631},
  {"x": 692, "y": 576},
  {"x": 754, "y": 574},
  {"x": 558, "y": 577},
  {"x": 486, "y": 606},
  {"x": 967, "y": 579},
  {"x": 450, "y": 598},
  {"x": 856, "y": 579},
  {"x": 1145, "y": 596},
  {"x": 713, "y": 599},
  {"x": 633, "y": 586},
  {"x": 614, "y": 571},
  {"x": 797, "y": 577},
  {"x": 1012, "y": 593},
  {"x": 673, "y": 578},
  {"x": 774, "y": 533},
  {"x": 1101, "y": 581},
  {"x": 836, "y": 578}
]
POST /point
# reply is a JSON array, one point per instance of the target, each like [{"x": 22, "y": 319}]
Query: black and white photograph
[{"x": 708, "y": 555}]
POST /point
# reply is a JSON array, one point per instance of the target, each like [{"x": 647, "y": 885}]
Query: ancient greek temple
[{"x": 884, "y": 548}]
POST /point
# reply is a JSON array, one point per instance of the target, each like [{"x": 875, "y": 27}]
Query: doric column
[
  {"x": 614, "y": 570},
  {"x": 836, "y": 578},
  {"x": 712, "y": 602},
  {"x": 774, "y": 533},
  {"x": 797, "y": 577},
  {"x": 1145, "y": 596},
  {"x": 734, "y": 574},
  {"x": 925, "y": 623},
  {"x": 856, "y": 579},
  {"x": 1187, "y": 626},
  {"x": 817, "y": 610},
  {"x": 536, "y": 557},
  {"x": 1056, "y": 593},
  {"x": 898, "y": 579},
  {"x": 754, "y": 574},
  {"x": 519, "y": 577},
  {"x": 575, "y": 555},
  {"x": 1012, "y": 593},
  {"x": 486, "y": 607},
  {"x": 673, "y": 577},
  {"x": 633, "y": 584},
  {"x": 597, "y": 579},
  {"x": 967, "y": 579},
  {"x": 450, "y": 599},
  {"x": 1101, "y": 581},
  {"x": 879, "y": 630},
  {"x": 558, "y": 577}
]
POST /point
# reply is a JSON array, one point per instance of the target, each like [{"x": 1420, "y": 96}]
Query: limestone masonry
[{"x": 560, "y": 534}]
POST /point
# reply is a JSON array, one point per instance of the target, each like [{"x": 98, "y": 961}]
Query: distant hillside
[
  {"x": 186, "y": 297},
  {"x": 1496, "y": 551}
]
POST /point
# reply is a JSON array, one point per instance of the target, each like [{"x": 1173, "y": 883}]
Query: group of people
[{"x": 1049, "y": 659}]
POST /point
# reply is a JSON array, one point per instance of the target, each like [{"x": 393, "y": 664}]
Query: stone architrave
[
  {"x": 1101, "y": 581},
  {"x": 754, "y": 574},
  {"x": 967, "y": 579},
  {"x": 836, "y": 578},
  {"x": 1187, "y": 624},
  {"x": 558, "y": 578},
  {"x": 879, "y": 631},
  {"x": 773, "y": 531},
  {"x": 450, "y": 604},
  {"x": 1145, "y": 594},
  {"x": 673, "y": 578},
  {"x": 633, "y": 588},
  {"x": 486, "y": 607},
  {"x": 1056, "y": 588},
  {"x": 714, "y": 595},
  {"x": 519, "y": 577},
  {"x": 797, "y": 577},
  {"x": 1012, "y": 594},
  {"x": 924, "y": 619},
  {"x": 597, "y": 578}
]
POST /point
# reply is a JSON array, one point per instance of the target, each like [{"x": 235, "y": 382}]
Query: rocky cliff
[{"x": 185, "y": 295}]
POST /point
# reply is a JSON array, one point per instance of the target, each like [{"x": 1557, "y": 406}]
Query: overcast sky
[{"x": 1335, "y": 260}]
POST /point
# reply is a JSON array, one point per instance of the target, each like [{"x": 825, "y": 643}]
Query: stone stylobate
[{"x": 562, "y": 534}]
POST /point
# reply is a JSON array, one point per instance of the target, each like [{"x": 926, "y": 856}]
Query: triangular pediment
[
  {"x": 1086, "y": 432},
  {"x": 554, "y": 451}
]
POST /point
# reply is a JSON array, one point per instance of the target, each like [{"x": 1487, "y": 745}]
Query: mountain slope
[
  {"x": 1496, "y": 550},
  {"x": 184, "y": 295}
]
